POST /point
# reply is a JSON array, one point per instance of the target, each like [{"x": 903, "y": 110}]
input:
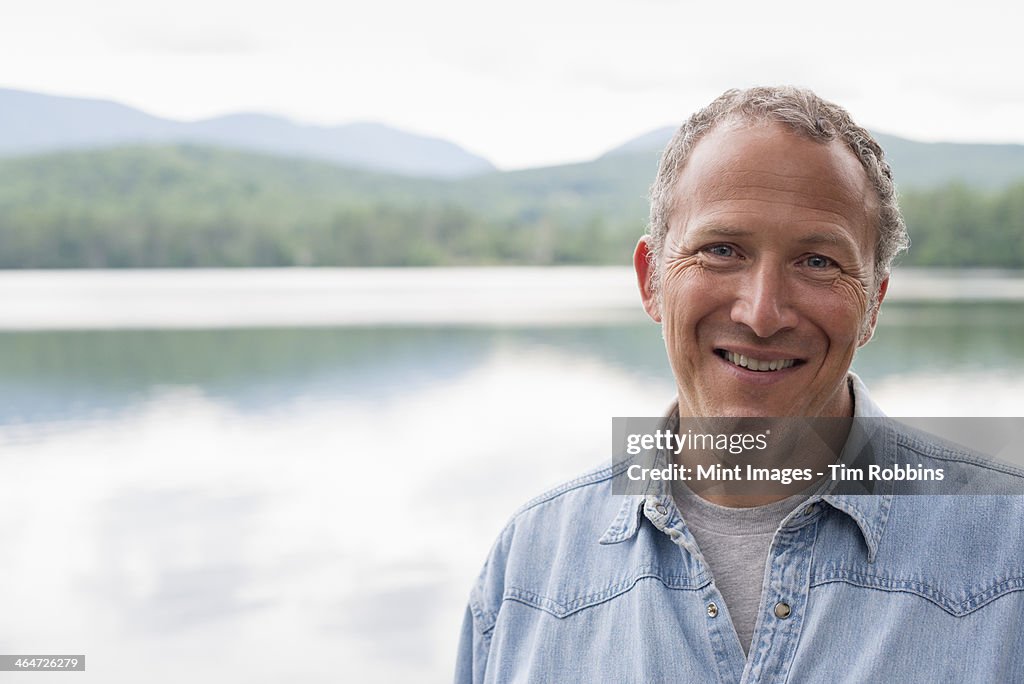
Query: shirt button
[
  {"x": 712, "y": 610},
  {"x": 782, "y": 610},
  {"x": 661, "y": 509}
]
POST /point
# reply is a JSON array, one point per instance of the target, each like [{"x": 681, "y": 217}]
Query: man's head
[{"x": 773, "y": 226}]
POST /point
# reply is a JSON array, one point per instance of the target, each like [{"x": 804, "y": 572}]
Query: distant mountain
[
  {"x": 653, "y": 141},
  {"x": 33, "y": 123},
  {"x": 914, "y": 164},
  {"x": 924, "y": 165}
]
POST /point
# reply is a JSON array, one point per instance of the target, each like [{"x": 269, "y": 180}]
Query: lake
[{"x": 295, "y": 475}]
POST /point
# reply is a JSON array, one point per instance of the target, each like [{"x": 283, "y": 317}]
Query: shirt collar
[{"x": 869, "y": 511}]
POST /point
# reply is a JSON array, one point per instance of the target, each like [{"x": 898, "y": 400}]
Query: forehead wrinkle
[
  {"x": 836, "y": 181},
  {"x": 844, "y": 181},
  {"x": 828, "y": 216},
  {"x": 809, "y": 199}
]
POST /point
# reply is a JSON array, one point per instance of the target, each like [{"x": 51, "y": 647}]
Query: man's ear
[
  {"x": 873, "y": 320},
  {"x": 645, "y": 271}
]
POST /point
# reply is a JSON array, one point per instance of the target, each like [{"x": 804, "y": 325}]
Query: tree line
[{"x": 198, "y": 207}]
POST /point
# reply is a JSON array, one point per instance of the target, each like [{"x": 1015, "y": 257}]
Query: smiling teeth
[{"x": 757, "y": 364}]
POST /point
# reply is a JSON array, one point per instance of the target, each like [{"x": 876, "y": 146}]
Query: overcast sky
[{"x": 531, "y": 82}]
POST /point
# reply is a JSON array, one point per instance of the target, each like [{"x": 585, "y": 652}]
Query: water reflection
[
  {"x": 48, "y": 376},
  {"x": 267, "y": 505}
]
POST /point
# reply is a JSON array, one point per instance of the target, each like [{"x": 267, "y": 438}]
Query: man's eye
[
  {"x": 720, "y": 250},
  {"x": 818, "y": 261}
]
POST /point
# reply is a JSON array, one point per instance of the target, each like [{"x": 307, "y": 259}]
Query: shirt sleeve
[
  {"x": 471, "y": 659},
  {"x": 481, "y": 616}
]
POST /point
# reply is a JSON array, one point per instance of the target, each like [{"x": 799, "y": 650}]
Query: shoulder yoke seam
[
  {"x": 964, "y": 457},
  {"x": 593, "y": 477}
]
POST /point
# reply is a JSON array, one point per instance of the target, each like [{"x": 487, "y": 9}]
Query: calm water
[{"x": 311, "y": 503}]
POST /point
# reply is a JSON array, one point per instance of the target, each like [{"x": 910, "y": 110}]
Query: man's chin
[
  {"x": 750, "y": 409},
  {"x": 752, "y": 412}
]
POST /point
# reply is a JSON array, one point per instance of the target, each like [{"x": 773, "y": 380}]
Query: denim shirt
[{"x": 585, "y": 586}]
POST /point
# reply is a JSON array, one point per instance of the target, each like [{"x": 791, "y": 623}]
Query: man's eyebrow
[
  {"x": 831, "y": 238},
  {"x": 712, "y": 231},
  {"x": 826, "y": 237}
]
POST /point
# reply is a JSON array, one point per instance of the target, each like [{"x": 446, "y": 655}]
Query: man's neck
[{"x": 793, "y": 446}]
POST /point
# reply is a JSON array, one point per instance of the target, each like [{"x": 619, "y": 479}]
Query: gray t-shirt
[{"x": 735, "y": 544}]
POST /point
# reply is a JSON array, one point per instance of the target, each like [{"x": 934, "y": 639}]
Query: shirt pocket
[
  {"x": 577, "y": 593},
  {"x": 958, "y": 596}
]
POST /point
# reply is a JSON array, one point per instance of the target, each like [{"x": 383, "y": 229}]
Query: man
[{"x": 773, "y": 227}]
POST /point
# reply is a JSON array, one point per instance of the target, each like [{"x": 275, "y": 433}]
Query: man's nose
[{"x": 763, "y": 302}]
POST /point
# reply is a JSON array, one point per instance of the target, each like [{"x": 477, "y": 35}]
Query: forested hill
[{"x": 183, "y": 206}]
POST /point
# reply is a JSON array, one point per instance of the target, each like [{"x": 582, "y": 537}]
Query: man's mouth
[{"x": 760, "y": 365}]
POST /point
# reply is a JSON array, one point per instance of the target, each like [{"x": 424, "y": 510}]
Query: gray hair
[{"x": 805, "y": 114}]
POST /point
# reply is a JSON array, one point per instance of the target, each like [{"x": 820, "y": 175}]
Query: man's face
[{"x": 767, "y": 274}]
